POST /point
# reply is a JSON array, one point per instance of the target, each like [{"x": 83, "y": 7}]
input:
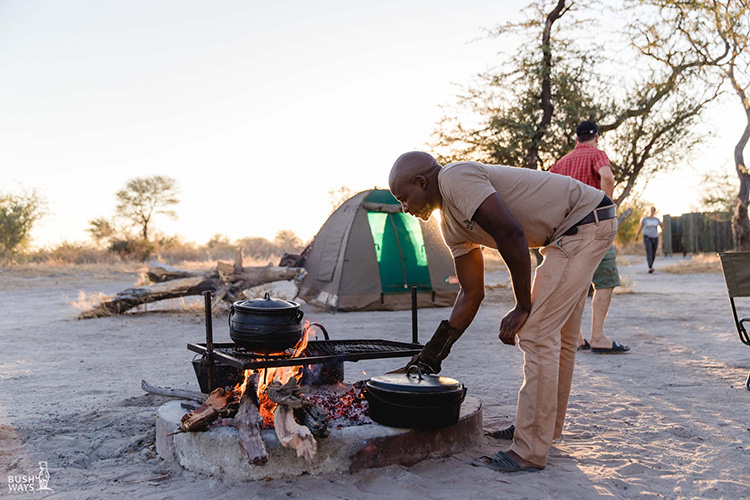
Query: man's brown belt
[{"x": 609, "y": 211}]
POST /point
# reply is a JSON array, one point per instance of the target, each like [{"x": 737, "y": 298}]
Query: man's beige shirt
[{"x": 545, "y": 204}]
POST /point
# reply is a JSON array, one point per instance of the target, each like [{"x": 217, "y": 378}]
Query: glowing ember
[{"x": 349, "y": 408}]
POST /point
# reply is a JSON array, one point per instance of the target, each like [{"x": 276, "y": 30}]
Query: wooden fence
[{"x": 696, "y": 233}]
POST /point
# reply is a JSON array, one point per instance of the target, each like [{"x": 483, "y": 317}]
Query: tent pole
[{"x": 414, "y": 327}]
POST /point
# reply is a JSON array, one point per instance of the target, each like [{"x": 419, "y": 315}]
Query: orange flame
[{"x": 280, "y": 374}]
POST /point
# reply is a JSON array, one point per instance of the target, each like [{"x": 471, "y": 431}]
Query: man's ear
[{"x": 421, "y": 181}]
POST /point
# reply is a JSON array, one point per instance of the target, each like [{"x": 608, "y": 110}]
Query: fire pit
[
  {"x": 241, "y": 431},
  {"x": 347, "y": 449}
]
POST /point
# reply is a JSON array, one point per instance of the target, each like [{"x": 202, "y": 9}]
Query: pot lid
[
  {"x": 414, "y": 381},
  {"x": 265, "y": 304}
]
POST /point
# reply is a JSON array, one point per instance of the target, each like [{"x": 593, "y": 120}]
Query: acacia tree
[
  {"x": 527, "y": 113},
  {"x": 145, "y": 197},
  {"x": 715, "y": 34},
  {"x": 525, "y": 110},
  {"x": 18, "y": 214}
]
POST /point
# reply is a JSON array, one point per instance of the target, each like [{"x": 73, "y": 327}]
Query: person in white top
[{"x": 649, "y": 225}]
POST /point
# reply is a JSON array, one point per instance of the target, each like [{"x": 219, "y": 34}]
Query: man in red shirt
[{"x": 590, "y": 165}]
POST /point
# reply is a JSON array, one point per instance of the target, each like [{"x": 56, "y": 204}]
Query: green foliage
[
  {"x": 286, "y": 241},
  {"x": 506, "y": 104},
  {"x": 645, "y": 99},
  {"x": 18, "y": 213},
  {"x": 712, "y": 39},
  {"x": 628, "y": 227},
  {"x": 256, "y": 246},
  {"x": 102, "y": 230},
  {"x": 133, "y": 249},
  {"x": 145, "y": 197}
]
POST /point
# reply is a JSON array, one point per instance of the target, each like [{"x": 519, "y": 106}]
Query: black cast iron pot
[
  {"x": 265, "y": 325},
  {"x": 413, "y": 400}
]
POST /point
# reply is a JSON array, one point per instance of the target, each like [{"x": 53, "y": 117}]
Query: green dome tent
[{"x": 369, "y": 254}]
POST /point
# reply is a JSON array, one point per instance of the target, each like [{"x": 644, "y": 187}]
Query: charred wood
[
  {"x": 249, "y": 424},
  {"x": 307, "y": 412},
  {"x": 217, "y": 403}
]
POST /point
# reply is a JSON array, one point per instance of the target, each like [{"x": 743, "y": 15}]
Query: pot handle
[
  {"x": 416, "y": 367},
  {"x": 322, "y": 329},
  {"x": 231, "y": 313}
]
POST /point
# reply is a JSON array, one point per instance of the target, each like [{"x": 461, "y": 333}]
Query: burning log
[
  {"x": 249, "y": 423},
  {"x": 306, "y": 411},
  {"x": 226, "y": 281},
  {"x": 218, "y": 402},
  {"x": 316, "y": 419}
]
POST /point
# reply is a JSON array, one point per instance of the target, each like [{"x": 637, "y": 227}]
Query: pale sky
[{"x": 258, "y": 109}]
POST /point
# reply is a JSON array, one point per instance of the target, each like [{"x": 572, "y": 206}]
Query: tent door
[{"x": 400, "y": 251}]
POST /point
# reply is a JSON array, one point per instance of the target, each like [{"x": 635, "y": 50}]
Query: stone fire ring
[{"x": 217, "y": 452}]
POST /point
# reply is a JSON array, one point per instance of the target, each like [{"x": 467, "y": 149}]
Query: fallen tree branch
[
  {"x": 229, "y": 285},
  {"x": 159, "y": 272},
  {"x": 173, "y": 393}
]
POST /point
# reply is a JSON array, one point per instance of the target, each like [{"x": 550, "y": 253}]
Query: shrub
[
  {"x": 18, "y": 213},
  {"x": 135, "y": 249}
]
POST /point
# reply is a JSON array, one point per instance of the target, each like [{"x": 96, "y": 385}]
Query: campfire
[
  {"x": 299, "y": 396},
  {"x": 272, "y": 398}
]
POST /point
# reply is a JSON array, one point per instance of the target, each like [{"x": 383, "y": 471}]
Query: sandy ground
[{"x": 671, "y": 419}]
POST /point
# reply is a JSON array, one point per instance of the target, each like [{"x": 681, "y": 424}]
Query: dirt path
[{"x": 671, "y": 419}]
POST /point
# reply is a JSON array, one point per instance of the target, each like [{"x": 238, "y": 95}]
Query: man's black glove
[{"x": 437, "y": 349}]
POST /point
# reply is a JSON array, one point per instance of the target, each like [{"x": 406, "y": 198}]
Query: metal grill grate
[{"x": 318, "y": 351}]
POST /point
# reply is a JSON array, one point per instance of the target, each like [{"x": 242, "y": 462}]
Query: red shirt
[{"x": 583, "y": 164}]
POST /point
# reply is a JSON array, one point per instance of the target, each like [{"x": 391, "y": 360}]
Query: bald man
[{"x": 512, "y": 210}]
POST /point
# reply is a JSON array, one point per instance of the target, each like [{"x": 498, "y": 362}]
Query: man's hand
[
  {"x": 437, "y": 349},
  {"x": 511, "y": 323}
]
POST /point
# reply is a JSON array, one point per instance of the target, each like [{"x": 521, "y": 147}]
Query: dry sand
[{"x": 671, "y": 419}]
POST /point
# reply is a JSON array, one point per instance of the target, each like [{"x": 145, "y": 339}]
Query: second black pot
[{"x": 414, "y": 401}]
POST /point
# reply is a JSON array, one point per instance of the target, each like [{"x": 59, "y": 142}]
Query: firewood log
[
  {"x": 200, "y": 420},
  {"x": 307, "y": 412},
  {"x": 316, "y": 419},
  {"x": 249, "y": 423},
  {"x": 289, "y": 394},
  {"x": 292, "y": 435}
]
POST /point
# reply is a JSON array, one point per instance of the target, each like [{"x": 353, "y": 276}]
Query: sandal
[
  {"x": 501, "y": 462},
  {"x": 506, "y": 433}
]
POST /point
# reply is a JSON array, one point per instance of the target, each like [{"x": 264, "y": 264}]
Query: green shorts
[{"x": 606, "y": 275}]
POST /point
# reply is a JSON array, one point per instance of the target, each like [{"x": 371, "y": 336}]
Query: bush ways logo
[{"x": 22, "y": 483}]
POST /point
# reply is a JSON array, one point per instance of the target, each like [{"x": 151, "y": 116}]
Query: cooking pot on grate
[
  {"x": 265, "y": 325},
  {"x": 413, "y": 400}
]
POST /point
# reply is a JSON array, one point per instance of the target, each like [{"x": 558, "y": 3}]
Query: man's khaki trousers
[{"x": 549, "y": 337}]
